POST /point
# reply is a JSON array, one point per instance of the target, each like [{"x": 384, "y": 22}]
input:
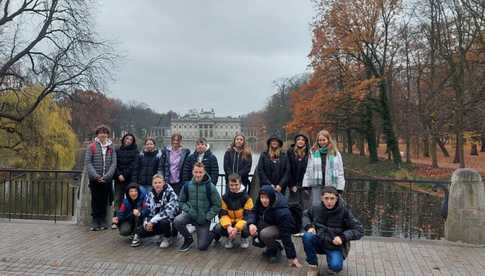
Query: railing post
[
  {"x": 9, "y": 193},
  {"x": 55, "y": 197},
  {"x": 466, "y": 208}
]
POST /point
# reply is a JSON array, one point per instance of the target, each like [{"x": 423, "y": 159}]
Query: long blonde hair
[
  {"x": 332, "y": 146},
  {"x": 245, "y": 149}
]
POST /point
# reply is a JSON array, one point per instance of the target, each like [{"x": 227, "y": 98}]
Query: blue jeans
[{"x": 313, "y": 245}]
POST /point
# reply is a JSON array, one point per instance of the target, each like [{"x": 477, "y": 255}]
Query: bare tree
[{"x": 51, "y": 44}]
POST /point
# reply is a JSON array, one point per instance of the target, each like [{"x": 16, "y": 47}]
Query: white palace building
[{"x": 201, "y": 123}]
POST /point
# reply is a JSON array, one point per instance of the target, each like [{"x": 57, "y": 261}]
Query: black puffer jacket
[
  {"x": 330, "y": 223},
  {"x": 277, "y": 214},
  {"x": 210, "y": 163},
  {"x": 146, "y": 166},
  {"x": 234, "y": 163},
  {"x": 297, "y": 165},
  {"x": 125, "y": 159}
]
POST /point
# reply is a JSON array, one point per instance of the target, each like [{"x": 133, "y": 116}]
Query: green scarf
[{"x": 331, "y": 161}]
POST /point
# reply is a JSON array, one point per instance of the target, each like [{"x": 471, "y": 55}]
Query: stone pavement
[{"x": 45, "y": 248}]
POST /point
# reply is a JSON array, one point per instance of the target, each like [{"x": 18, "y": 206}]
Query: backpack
[
  {"x": 92, "y": 147},
  {"x": 185, "y": 190}
]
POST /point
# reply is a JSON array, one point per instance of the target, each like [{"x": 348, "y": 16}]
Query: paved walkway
[{"x": 31, "y": 248}]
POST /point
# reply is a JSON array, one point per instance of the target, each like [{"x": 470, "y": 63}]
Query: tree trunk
[
  {"x": 474, "y": 149},
  {"x": 388, "y": 126},
  {"x": 349, "y": 141},
  {"x": 408, "y": 149},
  {"x": 362, "y": 145},
  {"x": 482, "y": 138},
  {"x": 434, "y": 157},
  {"x": 426, "y": 146},
  {"x": 370, "y": 134},
  {"x": 443, "y": 148},
  {"x": 456, "y": 159}
]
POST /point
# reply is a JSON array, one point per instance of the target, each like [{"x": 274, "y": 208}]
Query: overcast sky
[{"x": 205, "y": 54}]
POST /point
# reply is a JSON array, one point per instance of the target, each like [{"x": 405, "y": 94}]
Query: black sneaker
[
  {"x": 94, "y": 226},
  {"x": 136, "y": 241},
  {"x": 275, "y": 258},
  {"x": 186, "y": 245}
]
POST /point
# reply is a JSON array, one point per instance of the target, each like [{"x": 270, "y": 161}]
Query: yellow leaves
[{"x": 46, "y": 139}]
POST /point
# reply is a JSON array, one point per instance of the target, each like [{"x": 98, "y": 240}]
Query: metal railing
[
  {"x": 38, "y": 194},
  {"x": 404, "y": 208}
]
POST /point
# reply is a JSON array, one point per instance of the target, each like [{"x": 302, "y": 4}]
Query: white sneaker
[
  {"x": 190, "y": 228},
  {"x": 244, "y": 243},
  {"x": 166, "y": 242},
  {"x": 312, "y": 270},
  {"x": 228, "y": 244}
]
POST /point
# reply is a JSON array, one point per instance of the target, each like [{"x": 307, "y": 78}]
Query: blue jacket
[
  {"x": 277, "y": 214},
  {"x": 127, "y": 206}
]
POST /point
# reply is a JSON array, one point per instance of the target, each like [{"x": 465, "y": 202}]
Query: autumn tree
[
  {"x": 365, "y": 32},
  {"x": 50, "y": 44},
  {"x": 43, "y": 140}
]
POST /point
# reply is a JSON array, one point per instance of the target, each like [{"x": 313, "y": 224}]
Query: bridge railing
[
  {"x": 404, "y": 208},
  {"x": 38, "y": 194}
]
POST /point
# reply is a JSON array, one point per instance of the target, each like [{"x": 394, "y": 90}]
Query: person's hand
[
  {"x": 136, "y": 212},
  {"x": 121, "y": 178},
  {"x": 337, "y": 240},
  {"x": 295, "y": 263},
  {"x": 294, "y": 189},
  {"x": 312, "y": 230},
  {"x": 98, "y": 178},
  {"x": 253, "y": 230},
  {"x": 278, "y": 188},
  {"x": 232, "y": 231},
  {"x": 115, "y": 220},
  {"x": 149, "y": 227},
  {"x": 101, "y": 180}
]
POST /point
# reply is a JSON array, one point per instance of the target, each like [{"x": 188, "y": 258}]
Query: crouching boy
[
  {"x": 236, "y": 214},
  {"x": 163, "y": 208}
]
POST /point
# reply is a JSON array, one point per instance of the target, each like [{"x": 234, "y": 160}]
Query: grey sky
[{"x": 205, "y": 54}]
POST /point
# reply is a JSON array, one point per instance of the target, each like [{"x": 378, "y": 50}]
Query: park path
[{"x": 45, "y": 248}]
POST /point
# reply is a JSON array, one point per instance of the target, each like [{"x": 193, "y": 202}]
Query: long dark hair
[{"x": 245, "y": 149}]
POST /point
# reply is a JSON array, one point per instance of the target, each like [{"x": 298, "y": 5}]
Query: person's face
[
  {"x": 128, "y": 140},
  {"x": 239, "y": 141},
  {"x": 264, "y": 198},
  {"x": 198, "y": 173},
  {"x": 102, "y": 136},
  {"x": 322, "y": 141},
  {"x": 274, "y": 144},
  {"x": 149, "y": 146},
  {"x": 133, "y": 193},
  {"x": 234, "y": 186},
  {"x": 200, "y": 147},
  {"x": 300, "y": 142},
  {"x": 176, "y": 142},
  {"x": 158, "y": 184},
  {"x": 329, "y": 200}
]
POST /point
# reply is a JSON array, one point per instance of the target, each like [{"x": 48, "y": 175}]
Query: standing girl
[
  {"x": 238, "y": 159},
  {"x": 146, "y": 165},
  {"x": 325, "y": 167},
  {"x": 273, "y": 165}
]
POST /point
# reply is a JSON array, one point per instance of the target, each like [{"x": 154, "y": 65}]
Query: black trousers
[
  {"x": 99, "y": 199},
  {"x": 164, "y": 227}
]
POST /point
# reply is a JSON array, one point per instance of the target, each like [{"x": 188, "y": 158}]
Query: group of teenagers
[{"x": 170, "y": 192}]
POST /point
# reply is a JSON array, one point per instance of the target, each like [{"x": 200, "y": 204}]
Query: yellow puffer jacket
[{"x": 237, "y": 210}]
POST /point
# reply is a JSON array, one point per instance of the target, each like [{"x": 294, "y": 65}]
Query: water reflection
[{"x": 392, "y": 210}]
